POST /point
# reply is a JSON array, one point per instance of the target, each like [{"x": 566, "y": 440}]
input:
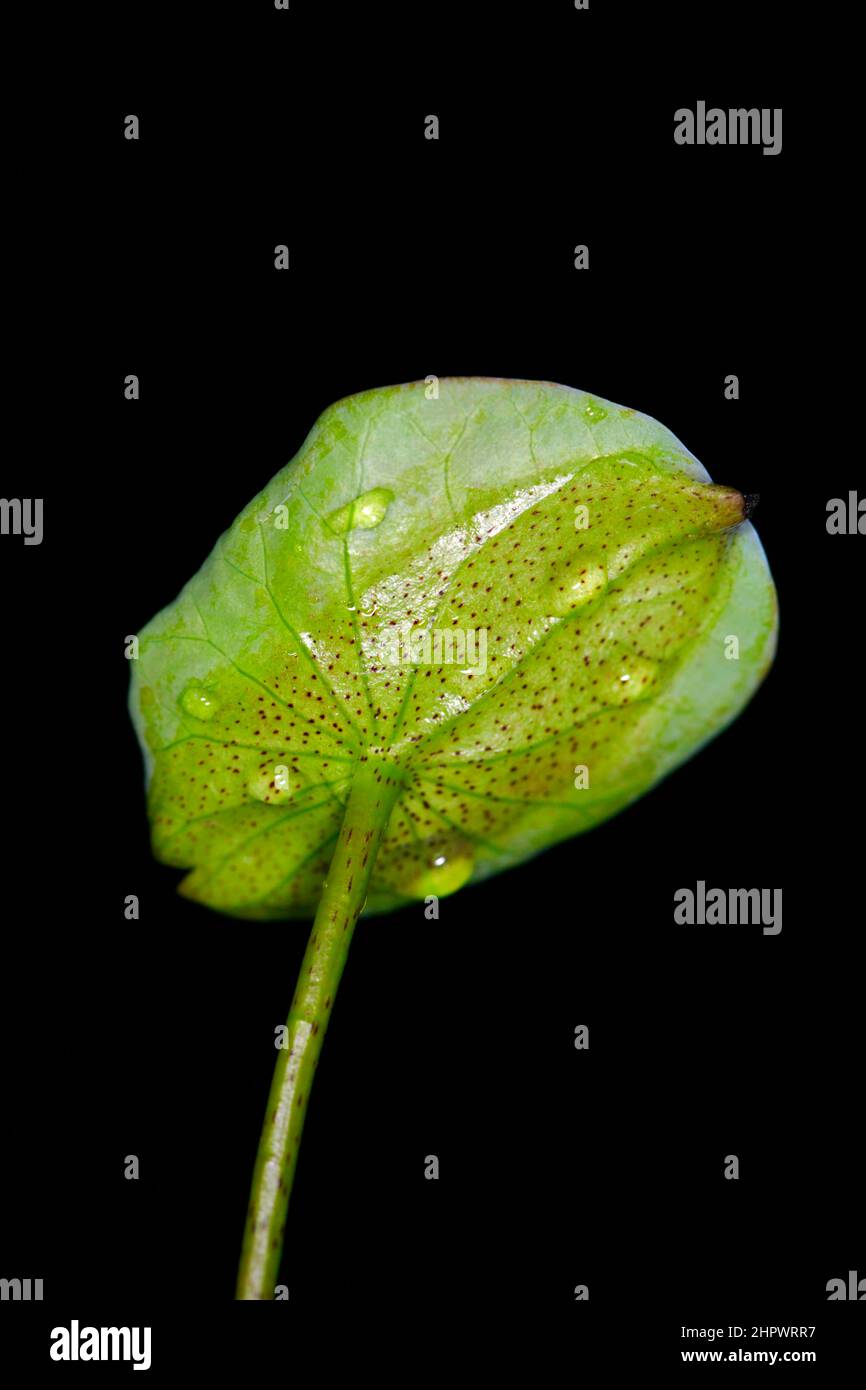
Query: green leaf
[{"x": 531, "y": 602}]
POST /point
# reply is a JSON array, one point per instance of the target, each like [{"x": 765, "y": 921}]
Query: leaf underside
[{"x": 343, "y": 613}]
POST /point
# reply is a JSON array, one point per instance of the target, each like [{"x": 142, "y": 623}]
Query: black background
[{"x": 411, "y": 257}]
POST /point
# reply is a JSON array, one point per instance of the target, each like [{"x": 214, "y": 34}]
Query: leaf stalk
[{"x": 375, "y": 788}]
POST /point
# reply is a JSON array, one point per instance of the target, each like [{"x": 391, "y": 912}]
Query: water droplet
[
  {"x": 593, "y": 411},
  {"x": 630, "y": 679},
  {"x": 274, "y": 783},
  {"x": 577, "y": 587},
  {"x": 198, "y": 702},
  {"x": 363, "y": 513},
  {"x": 446, "y": 867}
]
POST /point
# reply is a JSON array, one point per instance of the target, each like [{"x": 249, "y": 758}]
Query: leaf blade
[{"x": 406, "y": 521}]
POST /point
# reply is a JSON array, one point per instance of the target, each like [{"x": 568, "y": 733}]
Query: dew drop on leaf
[
  {"x": 631, "y": 682},
  {"x": 448, "y": 867},
  {"x": 593, "y": 412},
  {"x": 363, "y": 513},
  {"x": 578, "y": 588},
  {"x": 198, "y": 702},
  {"x": 274, "y": 783}
]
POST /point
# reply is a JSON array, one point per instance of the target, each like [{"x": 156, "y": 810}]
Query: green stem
[{"x": 375, "y": 787}]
